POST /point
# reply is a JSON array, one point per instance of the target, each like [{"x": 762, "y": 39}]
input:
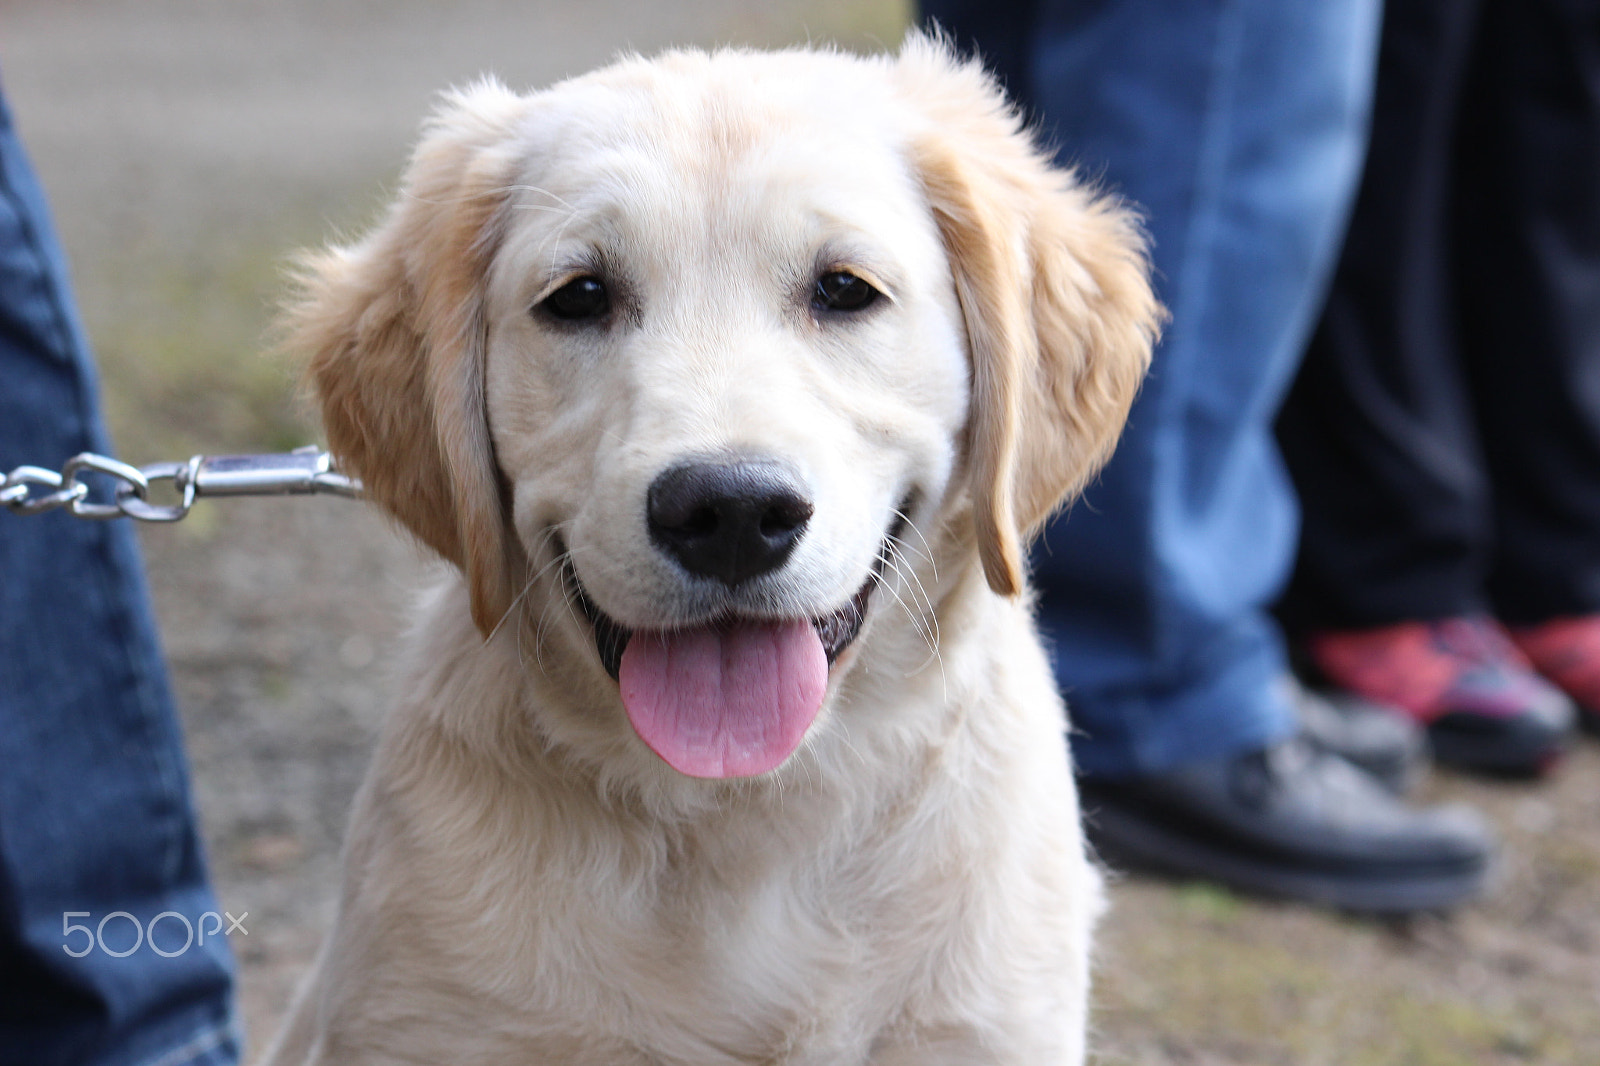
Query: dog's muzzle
[{"x": 732, "y": 697}]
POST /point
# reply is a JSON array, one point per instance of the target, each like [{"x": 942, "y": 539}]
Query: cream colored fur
[{"x": 525, "y": 882}]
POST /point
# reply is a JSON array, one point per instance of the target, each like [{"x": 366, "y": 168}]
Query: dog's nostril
[
  {"x": 731, "y": 521},
  {"x": 701, "y": 522},
  {"x": 785, "y": 516}
]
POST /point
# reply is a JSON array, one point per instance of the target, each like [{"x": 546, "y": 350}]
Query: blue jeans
[
  {"x": 1238, "y": 126},
  {"x": 95, "y": 814}
]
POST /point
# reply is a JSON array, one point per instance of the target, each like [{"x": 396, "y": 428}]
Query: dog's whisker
[
  {"x": 516, "y": 601},
  {"x": 908, "y": 572},
  {"x": 920, "y": 611},
  {"x": 527, "y": 587},
  {"x": 906, "y": 550},
  {"x": 849, "y": 745},
  {"x": 499, "y": 190},
  {"x": 541, "y": 634},
  {"x": 927, "y": 549},
  {"x": 598, "y": 563},
  {"x": 555, "y": 240},
  {"x": 930, "y": 624},
  {"x": 522, "y": 657},
  {"x": 541, "y": 626},
  {"x": 926, "y": 624},
  {"x": 542, "y": 207},
  {"x": 569, "y": 600},
  {"x": 889, "y": 590},
  {"x": 554, "y": 562},
  {"x": 517, "y": 606},
  {"x": 539, "y": 191},
  {"x": 563, "y": 595}
]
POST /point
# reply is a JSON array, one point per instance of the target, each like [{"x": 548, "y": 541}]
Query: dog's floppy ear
[
  {"x": 394, "y": 330},
  {"x": 1054, "y": 289}
]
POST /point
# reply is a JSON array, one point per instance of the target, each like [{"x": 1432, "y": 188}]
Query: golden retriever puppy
[{"x": 732, "y": 385}]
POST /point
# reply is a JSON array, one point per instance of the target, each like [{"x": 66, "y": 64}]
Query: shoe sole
[
  {"x": 1504, "y": 753},
  {"x": 1123, "y": 839}
]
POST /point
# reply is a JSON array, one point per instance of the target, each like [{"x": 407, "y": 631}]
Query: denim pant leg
[
  {"x": 95, "y": 813},
  {"x": 1238, "y": 126}
]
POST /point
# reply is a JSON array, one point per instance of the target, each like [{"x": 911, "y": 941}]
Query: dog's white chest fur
[{"x": 511, "y": 913}]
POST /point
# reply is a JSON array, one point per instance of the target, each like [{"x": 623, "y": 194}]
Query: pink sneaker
[
  {"x": 1567, "y": 652},
  {"x": 1484, "y": 706}
]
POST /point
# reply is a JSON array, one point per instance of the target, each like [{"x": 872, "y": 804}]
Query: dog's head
[{"x": 705, "y": 350}]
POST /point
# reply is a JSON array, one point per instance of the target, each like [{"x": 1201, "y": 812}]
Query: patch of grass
[
  {"x": 865, "y": 26},
  {"x": 276, "y": 686},
  {"x": 1210, "y": 902},
  {"x": 870, "y": 26},
  {"x": 1423, "y": 1031},
  {"x": 1202, "y": 976},
  {"x": 182, "y": 348}
]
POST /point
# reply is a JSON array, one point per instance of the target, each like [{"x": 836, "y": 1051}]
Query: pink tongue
[{"x": 724, "y": 701}]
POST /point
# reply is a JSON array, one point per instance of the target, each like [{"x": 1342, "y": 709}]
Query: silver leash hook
[{"x": 305, "y": 471}]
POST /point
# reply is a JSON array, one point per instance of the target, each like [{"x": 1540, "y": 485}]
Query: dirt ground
[{"x": 189, "y": 147}]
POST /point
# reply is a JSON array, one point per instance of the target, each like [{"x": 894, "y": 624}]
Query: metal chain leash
[{"x": 304, "y": 471}]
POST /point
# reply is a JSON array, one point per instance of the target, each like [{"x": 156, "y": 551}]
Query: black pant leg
[
  {"x": 1528, "y": 231},
  {"x": 1378, "y": 431}
]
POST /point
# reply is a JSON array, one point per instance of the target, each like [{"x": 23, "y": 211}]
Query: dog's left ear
[
  {"x": 1054, "y": 289},
  {"x": 393, "y": 330}
]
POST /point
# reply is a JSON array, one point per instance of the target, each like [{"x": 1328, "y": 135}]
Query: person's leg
[
  {"x": 1379, "y": 434},
  {"x": 1238, "y": 126},
  {"x": 1528, "y": 217},
  {"x": 1377, "y": 429},
  {"x": 95, "y": 814},
  {"x": 1529, "y": 247}
]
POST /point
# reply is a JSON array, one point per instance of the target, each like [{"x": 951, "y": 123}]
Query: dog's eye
[
  {"x": 578, "y": 299},
  {"x": 840, "y": 290}
]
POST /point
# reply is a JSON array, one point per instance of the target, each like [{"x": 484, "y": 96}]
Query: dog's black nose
[{"x": 731, "y": 521}]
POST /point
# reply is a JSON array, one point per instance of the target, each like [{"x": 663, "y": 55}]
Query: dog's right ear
[
  {"x": 1054, "y": 292},
  {"x": 393, "y": 328}
]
